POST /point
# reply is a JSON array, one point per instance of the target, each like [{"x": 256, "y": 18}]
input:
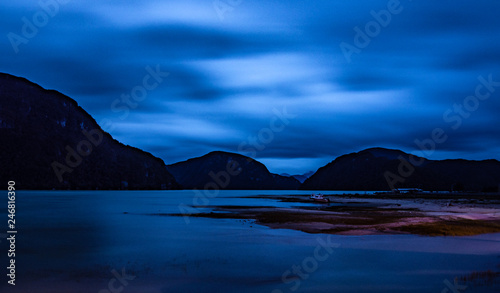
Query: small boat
[{"x": 319, "y": 198}]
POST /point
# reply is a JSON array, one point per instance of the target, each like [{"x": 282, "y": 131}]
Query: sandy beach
[{"x": 355, "y": 214}]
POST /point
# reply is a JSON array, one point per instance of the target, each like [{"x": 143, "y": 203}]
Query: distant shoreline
[
  {"x": 354, "y": 193},
  {"x": 425, "y": 195},
  {"x": 356, "y": 214}
]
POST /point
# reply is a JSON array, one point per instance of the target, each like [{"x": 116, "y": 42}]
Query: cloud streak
[{"x": 226, "y": 77}]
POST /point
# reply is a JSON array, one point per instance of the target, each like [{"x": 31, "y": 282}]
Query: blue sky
[{"x": 230, "y": 69}]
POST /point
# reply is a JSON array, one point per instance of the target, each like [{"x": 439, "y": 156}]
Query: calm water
[{"x": 72, "y": 241}]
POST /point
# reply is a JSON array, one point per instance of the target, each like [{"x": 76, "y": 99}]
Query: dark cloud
[{"x": 228, "y": 78}]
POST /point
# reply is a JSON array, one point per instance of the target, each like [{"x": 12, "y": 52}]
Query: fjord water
[{"x": 84, "y": 241}]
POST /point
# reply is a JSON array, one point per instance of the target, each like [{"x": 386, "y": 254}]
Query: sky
[{"x": 293, "y": 84}]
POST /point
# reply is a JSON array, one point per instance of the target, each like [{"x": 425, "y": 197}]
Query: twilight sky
[{"x": 293, "y": 84}]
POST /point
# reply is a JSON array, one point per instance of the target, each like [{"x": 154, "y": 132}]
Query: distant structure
[{"x": 407, "y": 190}]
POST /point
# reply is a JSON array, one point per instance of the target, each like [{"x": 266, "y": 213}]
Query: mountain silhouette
[
  {"x": 383, "y": 169},
  {"x": 228, "y": 171},
  {"x": 300, "y": 177},
  {"x": 49, "y": 142}
]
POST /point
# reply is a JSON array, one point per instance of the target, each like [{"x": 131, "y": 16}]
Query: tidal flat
[
  {"x": 80, "y": 241},
  {"x": 358, "y": 214}
]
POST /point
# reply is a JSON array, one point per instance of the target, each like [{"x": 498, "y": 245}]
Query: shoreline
[{"x": 356, "y": 214}]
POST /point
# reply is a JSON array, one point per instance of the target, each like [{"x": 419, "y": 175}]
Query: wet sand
[{"x": 356, "y": 214}]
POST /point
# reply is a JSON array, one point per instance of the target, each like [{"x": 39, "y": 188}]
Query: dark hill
[
  {"x": 369, "y": 170},
  {"x": 49, "y": 142},
  {"x": 228, "y": 171}
]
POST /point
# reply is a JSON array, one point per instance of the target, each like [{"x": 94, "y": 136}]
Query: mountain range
[
  {"x": 49, "y": 142},
  {"x": 384, "y": 169},
  {"x": 229, "y": 171},
  {"x": 300, "y": 177}
]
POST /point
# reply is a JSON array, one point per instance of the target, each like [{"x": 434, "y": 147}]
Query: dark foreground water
[{"x": 104, "y": 242}]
